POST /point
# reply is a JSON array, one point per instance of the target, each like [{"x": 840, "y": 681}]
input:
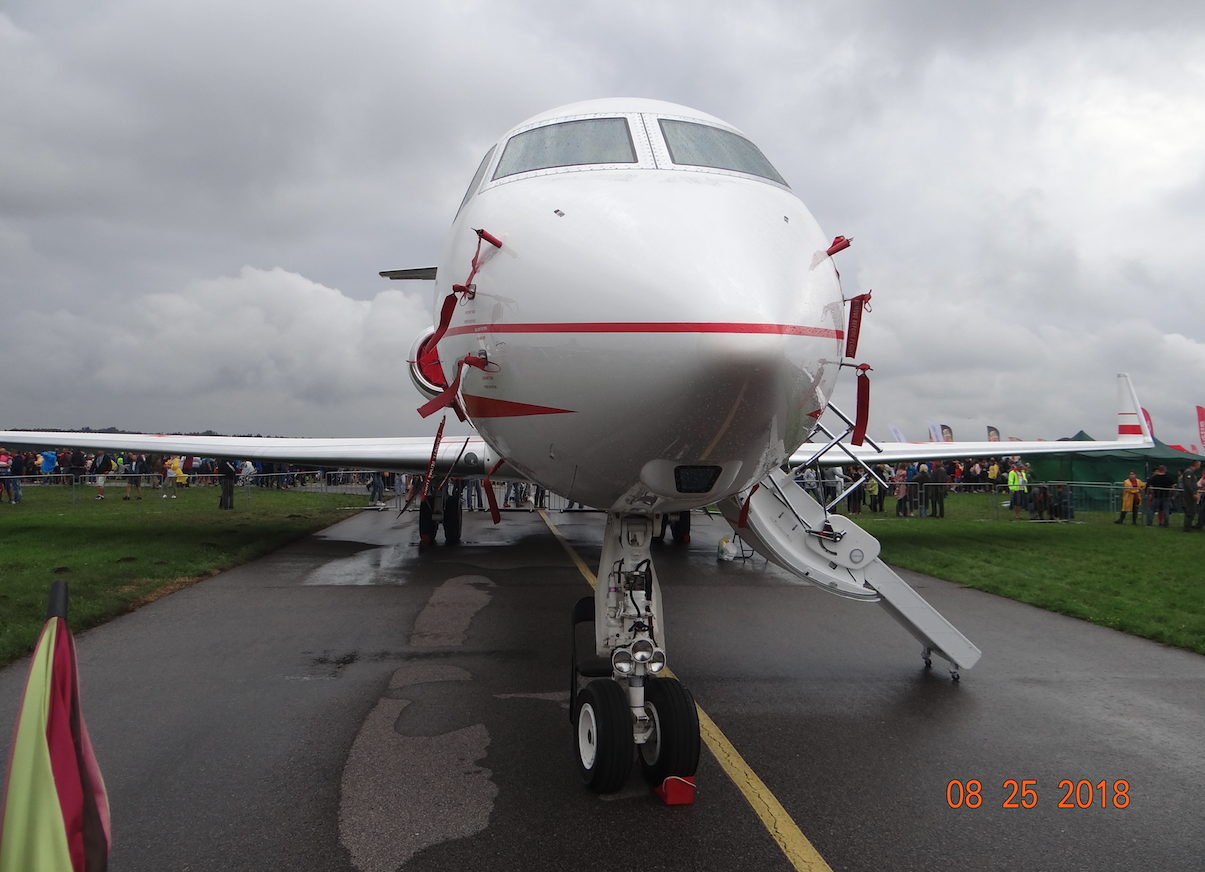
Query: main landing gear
[
  {"x": 441, "y": 507},
  {"x": 621, "y": 704},
  {"x": 678, "y": 524}
]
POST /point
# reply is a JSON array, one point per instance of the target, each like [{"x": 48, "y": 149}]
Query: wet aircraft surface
[{"x": 347, "y": 704}]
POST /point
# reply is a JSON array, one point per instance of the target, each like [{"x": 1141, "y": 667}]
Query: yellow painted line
[{"x": 782, "y": 828}]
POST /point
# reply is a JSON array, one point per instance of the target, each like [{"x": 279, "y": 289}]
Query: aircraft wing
[
  {"x": 1132, "y": 432},
  {"x": 471, "y": 457}
]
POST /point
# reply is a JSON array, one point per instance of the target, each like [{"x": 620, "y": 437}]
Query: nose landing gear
[{"x": 626, "y": 705}]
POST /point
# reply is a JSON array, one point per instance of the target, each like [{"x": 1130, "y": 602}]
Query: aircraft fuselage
[{"x": 641, "y": 318}]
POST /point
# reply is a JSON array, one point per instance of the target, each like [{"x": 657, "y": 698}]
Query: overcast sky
[{"x": 195, "y": 199}]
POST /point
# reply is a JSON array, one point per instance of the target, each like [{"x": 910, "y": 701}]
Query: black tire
[
  {"x": 584, "y": 662},
  {"x": 681, "y": 528},
  {"x": 427, "y": 525},
  {"x": 673, "y": 748},
  {"x": 602, "y": 735},
  {"x": 452, "y": 517}
]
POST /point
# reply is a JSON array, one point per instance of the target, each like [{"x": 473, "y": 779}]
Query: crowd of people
[
  {"x": 163, "y": 475},
  {"x": 920, "y": 490},
  {"x": 1163, "y": 495}
]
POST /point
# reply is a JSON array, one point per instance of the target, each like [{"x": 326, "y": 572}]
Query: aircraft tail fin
[{"x": 1131, "y": 423}]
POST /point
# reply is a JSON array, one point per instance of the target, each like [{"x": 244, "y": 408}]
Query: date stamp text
[{"x": 1024, "y": 794}]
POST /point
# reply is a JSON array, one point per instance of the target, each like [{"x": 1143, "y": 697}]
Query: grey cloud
[{"x": 257, "y": 351}]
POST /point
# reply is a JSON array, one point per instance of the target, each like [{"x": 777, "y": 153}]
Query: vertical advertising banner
[
  {"x": 1201, "y": 424},
  {"x": 993, "y": 434},
  {"x": 1149, "y": 425},
  {"x": 934, "y": 432},
  {"x": 896, "y": 433},
  {"x": 947, "y": 434}
]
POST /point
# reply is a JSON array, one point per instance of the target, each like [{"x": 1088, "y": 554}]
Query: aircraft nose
[{"x": 687, "y": 325}]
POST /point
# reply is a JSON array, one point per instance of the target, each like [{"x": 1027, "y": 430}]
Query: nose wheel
[
  {"x": 602, "y": 731},
  {"x": 672, "y": 747}
]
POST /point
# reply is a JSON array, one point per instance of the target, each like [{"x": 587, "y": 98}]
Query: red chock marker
[{"x": 676, "y": 790}]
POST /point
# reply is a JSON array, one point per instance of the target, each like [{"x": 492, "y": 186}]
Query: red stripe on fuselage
[
  {"x": 491, "y": 407},
  {"x": 732, "y": 327},
  {"x": 1129, "y": 429}
]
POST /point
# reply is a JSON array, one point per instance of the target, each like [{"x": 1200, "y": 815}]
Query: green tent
[
  {"x": 1103, "y": 466},
  {"x": 1106, "y": 466}
]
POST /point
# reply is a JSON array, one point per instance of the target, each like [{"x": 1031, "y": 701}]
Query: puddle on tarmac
[{"x": 372, "y": 566}]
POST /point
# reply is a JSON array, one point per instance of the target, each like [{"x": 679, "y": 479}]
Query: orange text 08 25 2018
[{"x": 1024, "y": 793}]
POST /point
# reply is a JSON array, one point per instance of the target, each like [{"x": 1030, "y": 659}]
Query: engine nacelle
[{"x": 428, "y": 376}]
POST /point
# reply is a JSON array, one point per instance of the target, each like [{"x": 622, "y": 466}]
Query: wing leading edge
[{"x": 470, "y": 457}]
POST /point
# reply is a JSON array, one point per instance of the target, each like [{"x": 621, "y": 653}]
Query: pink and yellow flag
[{"x": 55, "y": 814}]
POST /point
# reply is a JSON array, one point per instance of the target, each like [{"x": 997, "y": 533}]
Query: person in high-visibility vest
[
  {"x": 1018, "y": 489},
  {"x": 1131, "y": 498}
]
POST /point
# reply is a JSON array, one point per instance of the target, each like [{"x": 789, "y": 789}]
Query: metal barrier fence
[
  {"x": 514, "y": 496},
  {"x": 340, "y": 488},
  {"x": 336, "y": 487}
]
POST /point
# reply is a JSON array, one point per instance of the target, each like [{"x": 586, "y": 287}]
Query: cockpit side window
[
  {"x": 700, "y": 145},
  {"x": 568, "y": 144},
  {"x": 477, "y": 176}
]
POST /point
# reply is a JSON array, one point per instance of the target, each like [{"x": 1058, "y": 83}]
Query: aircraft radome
[{"x": 634, "y": 310}]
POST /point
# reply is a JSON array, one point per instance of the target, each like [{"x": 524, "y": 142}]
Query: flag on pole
[{"x": 55, "y": 814}]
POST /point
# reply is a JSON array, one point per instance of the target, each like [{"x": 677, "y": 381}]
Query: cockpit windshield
[
  {"x": 570, "y": 143},
  {"x": 700, "y": 145}
]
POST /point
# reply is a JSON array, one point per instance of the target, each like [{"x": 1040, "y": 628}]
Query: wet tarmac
[{"x": 347, "y": 704}]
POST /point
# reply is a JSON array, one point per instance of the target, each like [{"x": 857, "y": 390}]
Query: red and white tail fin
[{"x": 1131, "y": 423}]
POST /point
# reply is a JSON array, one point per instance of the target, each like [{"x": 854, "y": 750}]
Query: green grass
[
  {"x": 1146, "y": 581},
  {"x": 118, "y": 555}
]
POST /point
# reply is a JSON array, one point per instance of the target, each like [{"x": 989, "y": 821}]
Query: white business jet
[{"x": 634, "y": 310}]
